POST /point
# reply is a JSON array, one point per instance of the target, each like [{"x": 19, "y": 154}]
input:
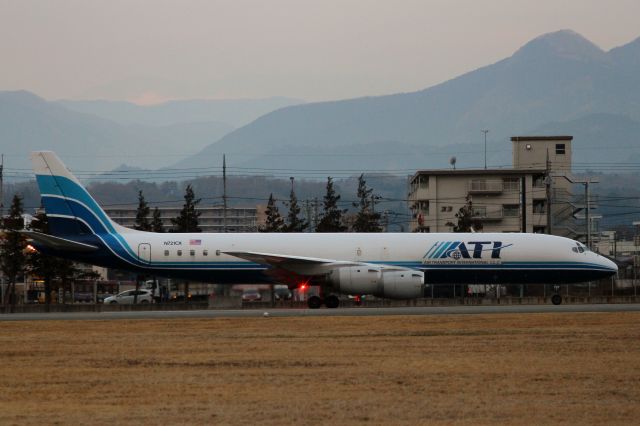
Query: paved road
[{"x": 247, "y": 313}]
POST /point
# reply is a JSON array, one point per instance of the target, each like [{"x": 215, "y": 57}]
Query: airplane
[{"x": 389, "y": 265}]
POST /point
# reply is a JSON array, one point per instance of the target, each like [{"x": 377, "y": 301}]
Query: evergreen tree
[
  {"x": 294, "y": 222},
  {"x": 156, "y": 221},
  {"x": 331, "y": 218},
  {"x": 187, "y": 220},
  {"x": 274, "y": 222},
  {"x": 466, "y": 220},
  {"x": 367, "y": 220},
  {"x": 142, "y": 214},
  {"x": 46, "y": 267},
  {"x": 12, "y": 245}
]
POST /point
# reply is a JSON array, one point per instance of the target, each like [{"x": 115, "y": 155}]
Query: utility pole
[
  {"x": 485, "y": 147},
  {"x": 547, "y": 184},
  {"x": 224, "y": 193},
  {"x": 523, "y": 203},
  {"x": 2, "y": 189},
  {"x": 587, "y": 207},
  {"x": 2, "y": 220},
  {"x": 587, "y": 203},
  {"x": 307, "y": 208},
  {"x": 315, "y": 213}
]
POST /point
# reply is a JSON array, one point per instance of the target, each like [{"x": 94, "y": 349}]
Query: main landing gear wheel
[
  {"x": 314, "y": 302},
  {"x": 556, "y": 299},
  {"x": 332, "y": 301}
]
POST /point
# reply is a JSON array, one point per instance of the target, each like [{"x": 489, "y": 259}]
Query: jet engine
[{"x": 405, "y": 284}]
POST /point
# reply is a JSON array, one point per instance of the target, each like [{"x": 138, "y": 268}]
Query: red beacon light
[{"x": 302, "y": 287}]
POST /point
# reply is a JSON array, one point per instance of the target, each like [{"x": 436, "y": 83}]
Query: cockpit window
[{"x": 579, "y": 248}]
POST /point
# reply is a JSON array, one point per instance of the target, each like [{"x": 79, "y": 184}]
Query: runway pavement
[{"x": 361, "y": 311}]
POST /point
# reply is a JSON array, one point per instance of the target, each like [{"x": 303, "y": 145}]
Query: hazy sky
[{"x": 316, "y": 50}]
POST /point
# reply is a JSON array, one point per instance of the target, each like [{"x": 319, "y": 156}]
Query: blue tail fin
[{"x": 71, "y": 210}]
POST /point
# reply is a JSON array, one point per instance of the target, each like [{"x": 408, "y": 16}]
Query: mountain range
[
  {"x": 557, "y": 83},
  {"x": 232, "y": 112},
  {"x": 101, "y": 135}
]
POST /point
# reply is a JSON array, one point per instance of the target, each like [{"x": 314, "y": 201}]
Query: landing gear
[
  {"x": 314, "y": 302},
  {"x": 332, "y": 301},
  {"x": 556, "y": 299}
]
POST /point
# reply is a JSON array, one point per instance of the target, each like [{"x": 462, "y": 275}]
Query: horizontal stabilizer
[{"x": 58, "y": 243}]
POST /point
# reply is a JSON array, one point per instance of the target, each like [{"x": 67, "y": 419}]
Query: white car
[
  {"x": 127, "y": 297},
  {"x": 251, "y": 295}
]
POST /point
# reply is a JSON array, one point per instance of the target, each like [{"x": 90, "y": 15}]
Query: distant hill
[
  {"x": 557, "y": 77},
  {"x": 234, "y": 112},
  {"x": 96, "y": 136},
  {"x": 603, "y": 142},
  {"x": 90, "y": 143},
  {"x": 557, "y": 83}
]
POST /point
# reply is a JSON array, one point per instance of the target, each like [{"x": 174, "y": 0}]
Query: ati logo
[{"x": 458, "y": 250}]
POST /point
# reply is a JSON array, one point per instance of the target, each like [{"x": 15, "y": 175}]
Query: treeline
[
  {"x": 332, "y": 218},
  {"x": 242, "y": 191},
  {"x": 18, "y": 259}
]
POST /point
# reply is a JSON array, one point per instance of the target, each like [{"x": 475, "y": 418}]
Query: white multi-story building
[{"x": 533, "y": 196}]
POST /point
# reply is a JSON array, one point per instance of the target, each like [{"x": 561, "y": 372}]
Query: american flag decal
[{"x": 195, "y": 242}]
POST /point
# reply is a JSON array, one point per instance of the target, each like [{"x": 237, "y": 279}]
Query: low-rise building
[
  {"x": 533, "y": 196},
  {"x": 212, "y": 219}
]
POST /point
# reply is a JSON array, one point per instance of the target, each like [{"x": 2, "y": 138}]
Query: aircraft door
[{"x": 144, "y": 252}]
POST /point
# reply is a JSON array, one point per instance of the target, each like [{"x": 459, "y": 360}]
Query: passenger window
[
  {"x": 205, "y": 252},
  {"x": 179, "y": 252},
  {"x": 192, "y": 252},
  {"x": 166, "y": 252}
]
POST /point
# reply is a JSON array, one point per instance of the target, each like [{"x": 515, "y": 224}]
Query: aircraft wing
[
  {"x": 301, "y": 265},
  {"x": 57, "y": 242}
]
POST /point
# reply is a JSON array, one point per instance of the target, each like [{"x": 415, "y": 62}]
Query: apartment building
[{"x": 532, "y": 196}]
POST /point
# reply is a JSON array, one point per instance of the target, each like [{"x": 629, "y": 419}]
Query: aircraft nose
[{"x": 609, "y": 264}]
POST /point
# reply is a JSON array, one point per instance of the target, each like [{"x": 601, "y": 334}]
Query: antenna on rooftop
[{"x": 485, "y": 147}]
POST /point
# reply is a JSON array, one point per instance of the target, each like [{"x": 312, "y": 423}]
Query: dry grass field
[{"x": 470, "y": 369}]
